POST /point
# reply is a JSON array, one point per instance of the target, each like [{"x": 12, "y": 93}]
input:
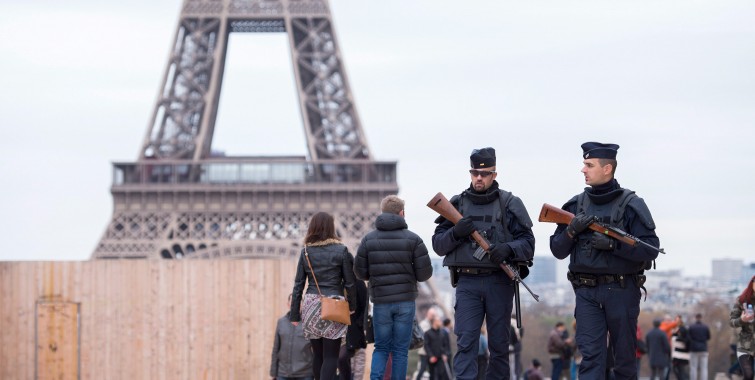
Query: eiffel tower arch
[{"x": 178, "y": 201}]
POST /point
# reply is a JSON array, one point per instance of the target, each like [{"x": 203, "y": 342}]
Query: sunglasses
[{"x": 483, "y": 173}]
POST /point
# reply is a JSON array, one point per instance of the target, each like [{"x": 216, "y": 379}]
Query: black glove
[
  {"x": 463, "y": 228},
  {"x": 578, "y": 224},
  {"x": 499, "y": 253},
  {"x": 602, "y": 242}
]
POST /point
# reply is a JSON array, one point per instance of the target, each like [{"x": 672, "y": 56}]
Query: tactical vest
[
  {"x": 585, "y": 259},
  {"x": 489, "y": 219}
]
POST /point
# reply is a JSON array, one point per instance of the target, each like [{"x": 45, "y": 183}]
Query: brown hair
[
  {"x": 746, "y": 295},
  {"x": 321, "y": 227}
]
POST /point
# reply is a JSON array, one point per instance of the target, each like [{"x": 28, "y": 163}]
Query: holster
[{"x": 454, "y": 276}]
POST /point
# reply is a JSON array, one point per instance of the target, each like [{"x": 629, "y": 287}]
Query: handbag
[
  {"x": 332, "y": 308},
  {"x": 418, "y": 336}
]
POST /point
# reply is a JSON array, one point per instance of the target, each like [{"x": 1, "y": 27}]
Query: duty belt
[
  {"x": 590, "y": 280},
  {"x": 475, "y": 271}
]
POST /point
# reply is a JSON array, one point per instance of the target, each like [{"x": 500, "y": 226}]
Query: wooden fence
[{"x": 146, "y": 319}]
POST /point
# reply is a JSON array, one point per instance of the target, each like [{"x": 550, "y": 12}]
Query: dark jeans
[
  {"x": 325, "y": 360},
  {"x": 681, "y": 370},
  {"x": 745, "y": 363},
  {"x": 558, "y": 366},
  {"x": 392, "y": 323}
]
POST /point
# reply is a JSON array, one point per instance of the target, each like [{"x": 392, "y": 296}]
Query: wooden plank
[
  {"x": 6, "y": 320},
  {"x": 57, "y": 343},
  {"x": 151, "y": 319}
]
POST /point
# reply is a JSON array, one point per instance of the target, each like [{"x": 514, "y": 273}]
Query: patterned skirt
[{"x": 316, "y": 328}]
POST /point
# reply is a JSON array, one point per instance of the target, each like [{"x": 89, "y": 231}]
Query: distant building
[
  {"x": 749, "y": 271},
  {"x": 543, "y": 270},
  {"x": 727, "y": 271}
]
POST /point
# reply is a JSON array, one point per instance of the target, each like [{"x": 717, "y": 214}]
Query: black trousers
[{"x": 325, "y": 362}]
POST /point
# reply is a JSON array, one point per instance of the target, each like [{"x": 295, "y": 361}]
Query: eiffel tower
[{"x": 179, "y": 201}]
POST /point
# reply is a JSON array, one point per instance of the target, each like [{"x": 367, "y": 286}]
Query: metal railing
[{"x": 252, "y": 171}]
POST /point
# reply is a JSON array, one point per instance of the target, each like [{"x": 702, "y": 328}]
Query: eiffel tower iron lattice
[{"x": 177, "y": 201}]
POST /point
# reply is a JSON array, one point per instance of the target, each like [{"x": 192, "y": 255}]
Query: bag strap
[{"x": 306, "y": 255}]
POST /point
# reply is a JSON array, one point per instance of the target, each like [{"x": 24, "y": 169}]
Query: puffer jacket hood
[{"x": 390, "y": 222}]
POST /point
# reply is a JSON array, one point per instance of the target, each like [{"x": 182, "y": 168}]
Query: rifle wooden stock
[
  {"x": 553, "y": 214},
  {"x": 442, "y": 206}
]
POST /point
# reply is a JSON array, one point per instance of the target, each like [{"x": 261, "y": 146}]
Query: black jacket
[
  {"x": 355, "y": 338},
  {"x": 392, "y": 259},
  {"x": 659, "y": 348},
  {"x": 435, "y": 343},
  {"x": 699, "y": 335},
  {"x": 333, "y": 265}
]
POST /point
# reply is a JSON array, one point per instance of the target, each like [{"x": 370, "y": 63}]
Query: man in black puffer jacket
[{"x": 392, "y": 259}]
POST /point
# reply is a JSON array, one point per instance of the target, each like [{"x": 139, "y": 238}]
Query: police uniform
[
  {"x": 606, "y": 281},
  {"x": 482, "y": 289}
]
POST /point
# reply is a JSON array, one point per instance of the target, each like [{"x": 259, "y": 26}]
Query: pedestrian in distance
[
  {"x": 534, "y": 372},
  {"x": 483, "y": 290},
  {"x": 680, "y": 354},
  {"x": 743, "y": 318},
  {"x": 557, "y": 346},
  {"x": 436, "y": 348},
  {"x": 392, "y": 259},
  {"x": 425, "y": 324},
  {"x": 699, "y": 335},
  {"x": 292, "y": 352},
  {"x": 606, "y": 274},
  {"x": 659, "y": 351},
  {"x": 324, "y": 259}
]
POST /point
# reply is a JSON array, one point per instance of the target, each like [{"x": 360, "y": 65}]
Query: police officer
[
  {"x": 606, "y": 274},
  {"x": 483, "y": 291}
]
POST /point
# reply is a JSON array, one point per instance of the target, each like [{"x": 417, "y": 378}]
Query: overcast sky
[{"x": 672, "y": 82}]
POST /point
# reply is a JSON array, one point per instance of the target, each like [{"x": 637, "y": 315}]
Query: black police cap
[
  {"x": 482, "y": 158},
  {"x": 599, "y": 150}
]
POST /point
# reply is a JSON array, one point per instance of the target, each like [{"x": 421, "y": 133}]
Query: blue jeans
[
  {"x": 294, "y": 378},
  {"x": 392, "y": 324}
]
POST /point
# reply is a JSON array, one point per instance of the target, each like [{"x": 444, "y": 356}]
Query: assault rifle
[
  {"x": 552, "y": 214},
  {"x": 442, "y": 206}
]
